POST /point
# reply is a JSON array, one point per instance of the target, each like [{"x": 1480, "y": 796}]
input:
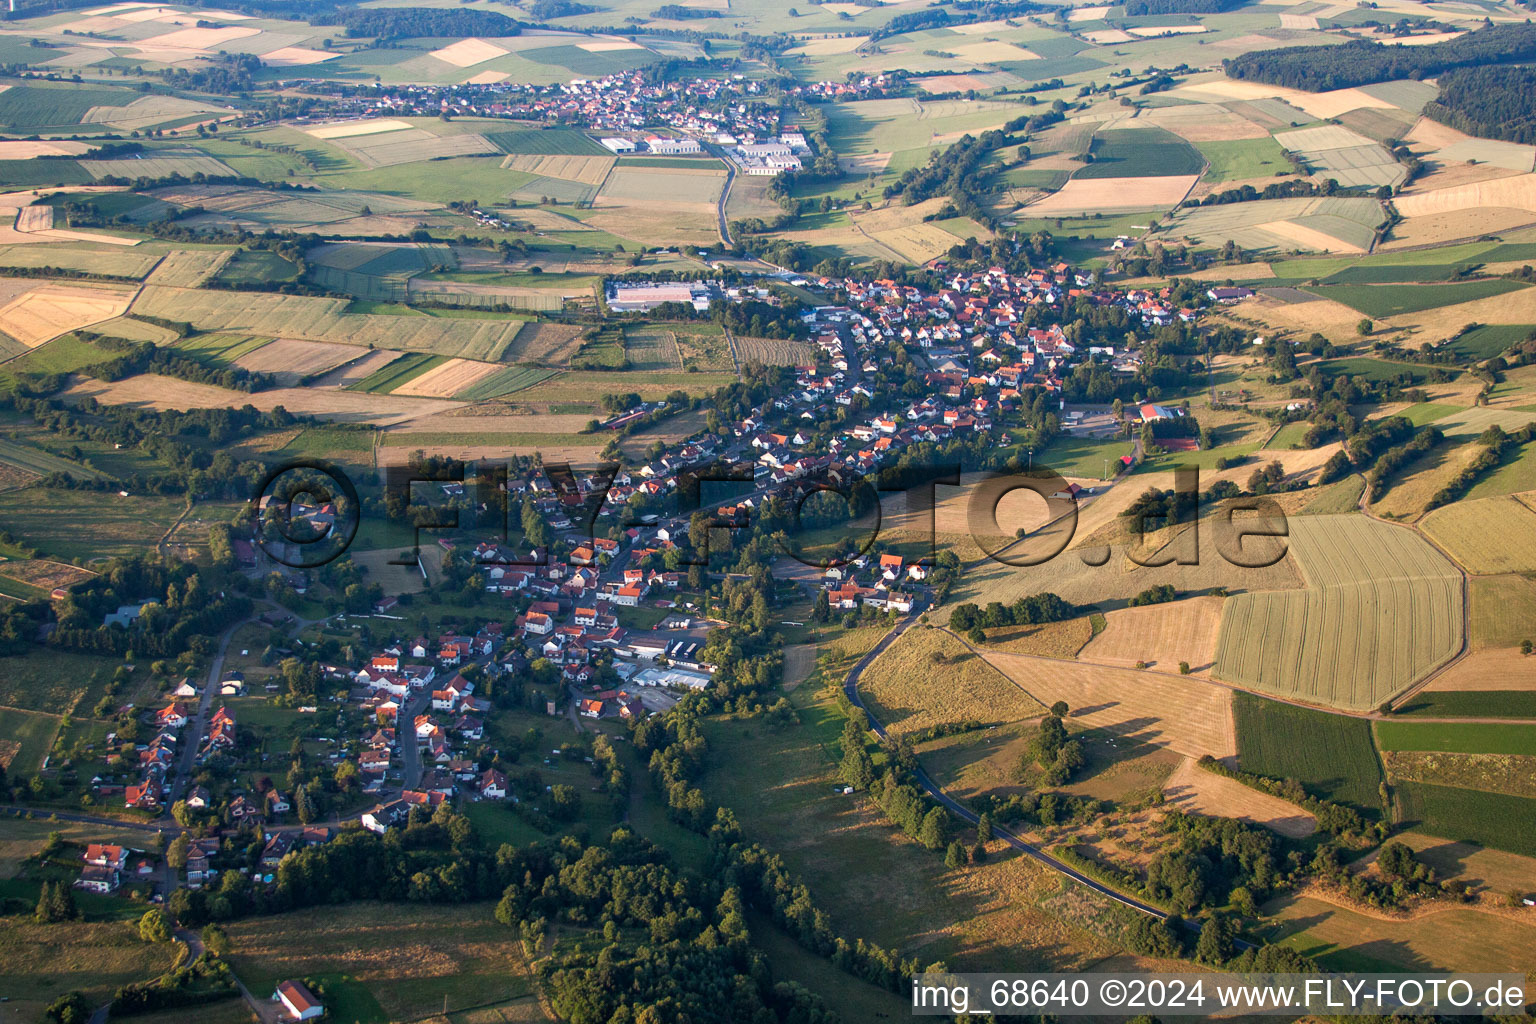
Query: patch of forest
[
  {"x": 1496, "y": 103},
  {"x": 1137, "y": 8},
  {"x": 1321, "y": 68}
]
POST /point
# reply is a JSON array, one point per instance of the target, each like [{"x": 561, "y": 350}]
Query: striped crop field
[{"x": 1381, "y": 609}]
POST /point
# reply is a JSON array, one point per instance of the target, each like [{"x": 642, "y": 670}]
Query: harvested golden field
[
  {"x": 359, "y": 369},
  {"x": 1321, "y": 105},
  {"x": 1307, "y": 238},
  {"x": 589, "y": 170},
  {"x": 1456, "y": 938},
  {"x": 1517, "y": 192},
  {"x": 1160, "y": 635},
  {"x": 348, "y": 129},
  {"x": 1438, "y": 228},
  {"x": 828, "y": 46},
  {"x": 1108, "y": 36},
  {"x": 918, "y": 243},
  {"x": 447, "y": 380},
  {"x": 1382, "y": 609},
  {"x": 1093, "y": 195},
  {"x": 544, "y": 343},
  {"x": 188, "y": 268},
  {"x": 467, "y": 53},
  {"x": 197, "y": 38},
  {"x": 294, "y": 56},
  {"x": 1189, "y": 716},
  {"x": 930, "y": 677},
  {"x": 1194, "y": 790},
  {"x": 49, "y": 310},
  {"x": 1204, "y": 122},
  {"x": 894, "y": 215},
  {"x": 1487, "y": 536},
  {"x": 23, "y": 149},
  {"x": 1499, "y": 668},
  {"x": 993, "y": 52},
  {"x": 1503, "y": 611},
  {"x": 1051, "y": 640},
  {"x": 684, "y": 185},
  {"x": 290, "y": 359},
  {"x": 466, "y": 420},
  {"x": 152, "y": 391},
  {"x": 1417, "y": 482},
  {"x": 773, "y": 352},
  {"x": 407, "y": 959},
  {"x": 657, "y": 220}
]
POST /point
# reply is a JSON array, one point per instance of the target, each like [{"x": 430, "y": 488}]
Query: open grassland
[
  {"x": 1448, "y": 936},
  {"x": 1503, "y": 611},
  {"x": 1194, "y": 790},
  {"x": 1160, "y": 636},
  {"x": 55, "y": 682},
  {"x": 1487, "y": 536},
  {"x": 25, "y": 738},
  {"x": 780, "y": 784},
  {"x": 99, "y": 524},
  {"x": 38, "y": 962},
  {"x": 1382, "y": 608},
  {"x": 1185, "y": 715},
  {"x": 928, "y": 677},
  {"x": 1333, "y": 756},
  {"x": 384, "y": 962},
  {"x": 1458, "y": 737},
  {"x": 325, "y": 319},
  {"x": 1063, "y": 639},
  {"x": 1469, "y": 815},
  {"x": 651, "y": 348}
]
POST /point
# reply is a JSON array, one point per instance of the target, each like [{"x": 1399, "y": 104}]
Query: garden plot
[
  {"x": 447, "y": 379},
  {"x": 1382, "y": 609},
  {"x": 49, "y": 310},
  {"x": 1097, "y": 195},
  {"x": 1349, "y": 158},
  {"x": 466, "y": 53}
]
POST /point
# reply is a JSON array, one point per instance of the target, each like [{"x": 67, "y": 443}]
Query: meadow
[
  {"x": 100, "y": 525},
  {"x": 1471, "y": 704},
  {"x": 1458, "y": 738},
  {"x": 1381, "y": 609},
  {"x": 1333, "y": 756},
  {"x": 1140, "y": 153},
  {"x": 929, "y": 678}
]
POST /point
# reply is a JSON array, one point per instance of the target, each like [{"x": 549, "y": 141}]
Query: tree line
[{"x": 1361, "y": 62}]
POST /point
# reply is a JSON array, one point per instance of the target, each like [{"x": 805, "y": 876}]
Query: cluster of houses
[{"x": 154, "y": 761}]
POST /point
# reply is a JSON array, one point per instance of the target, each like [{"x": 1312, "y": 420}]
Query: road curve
[{"x": 851, "y": 688}]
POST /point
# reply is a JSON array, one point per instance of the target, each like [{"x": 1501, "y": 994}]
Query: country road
[{"x": 851, "y": 688}]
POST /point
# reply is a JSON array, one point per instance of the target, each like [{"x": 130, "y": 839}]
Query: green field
[
  {"x": 1458, "y": 738},
  {"x": 1372, "y": 369},
  {"x": 1141, "y": 153},
  {"x": 1081, "y": 456},
  {"x": 100, "y": 524},
  {"x": 1490, "y": 340},
  {"x": 1243, "y": 159},
  {"x": 50, "y": 681},
  {"x": 1382, "y": 608},
  {"x": 1289, "y": 435},
  {"x": 1472, "y": 704},
  {"x": 35, "y": 105},
  {"x": 546, "y": 142},
  {"x": 1393, "y": 299},
  {"x": 1469, "y": 816},
  {"x": 1332, "y": 755},
  {"x": 30, "y": 733},
  {"x": 219, "y": 349},
  {"x": 1428, "y": 412}
]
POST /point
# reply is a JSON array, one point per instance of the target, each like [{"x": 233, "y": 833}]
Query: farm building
[
  {"x": 624, "y": 298},
  {"x": 298, "y": 1000},
  {"x": 672, "y": 147},
  {"x": 618, "y": 145}
]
